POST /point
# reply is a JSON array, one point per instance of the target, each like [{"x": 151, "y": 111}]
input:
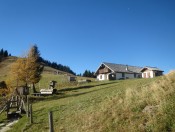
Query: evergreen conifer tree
[
  {"x": 2, "y": 52},
  {"x": 5, "y": 53}
]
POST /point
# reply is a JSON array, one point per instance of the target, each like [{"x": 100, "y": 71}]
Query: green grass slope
[
  {"x": 48, "y": 72},
  {"x": 126, "y": 105},
  {"x": 61, "y": 79},
  {"x": 5, "y": 66}
]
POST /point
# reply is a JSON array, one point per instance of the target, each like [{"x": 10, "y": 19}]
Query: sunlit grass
[
  {"x": 106, "y": 106},
  {"x": 77, "y": 108}
]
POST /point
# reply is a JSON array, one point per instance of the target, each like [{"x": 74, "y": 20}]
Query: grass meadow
[{"x": 122, "y": 105}]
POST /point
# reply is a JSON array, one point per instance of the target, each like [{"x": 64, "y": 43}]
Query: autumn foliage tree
[
  {"x": 34, "y": 67},
  {"x": 27, "y": 70}
]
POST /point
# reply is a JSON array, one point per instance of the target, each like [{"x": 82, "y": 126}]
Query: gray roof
[
  {"x": 123, "y": 68},
  {"x": 151, "y": 68}
]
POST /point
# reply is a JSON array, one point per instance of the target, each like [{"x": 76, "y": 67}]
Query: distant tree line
[
  {"x": 87, "y": 73},
  {"x": 3, "y": 54},
  {"x": 56, "y": 66}
]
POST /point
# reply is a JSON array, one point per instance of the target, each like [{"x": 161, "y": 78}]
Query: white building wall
[
  {"x": 143, "y": 75},
  {"x": 149, "y": 74},
  {"x": 98, "y": 77},
  {"x": 102, "y": 77},
  {"x": 107, "y": 76}
]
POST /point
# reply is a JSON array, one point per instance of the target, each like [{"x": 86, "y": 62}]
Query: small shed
[{"x": 71, "y": 78}]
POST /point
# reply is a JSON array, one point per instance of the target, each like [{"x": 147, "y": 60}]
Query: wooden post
[
  {"x": 27, "y": 106},
  {"x": 50, "y": 122},
  {"x": 8, "y": 107},
  {"x": 31, "y": 116},
  {"x": 17, "y": 102}
]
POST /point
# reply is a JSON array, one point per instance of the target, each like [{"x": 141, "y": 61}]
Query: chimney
[{"x": 126, "y": 67}]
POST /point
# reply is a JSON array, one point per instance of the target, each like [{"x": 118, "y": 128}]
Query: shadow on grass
[
  {"x": 41, "y": 124},
  {"x": 78, "y": 94},
  {"x": 74, "y": 95},
  {"x": 61, "y": 93},
  {"x": 83, "y": 87},
  {"x": 61, "y": 97}
]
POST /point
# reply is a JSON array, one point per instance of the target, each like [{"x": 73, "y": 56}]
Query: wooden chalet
[{"x": 111, "y": 71}]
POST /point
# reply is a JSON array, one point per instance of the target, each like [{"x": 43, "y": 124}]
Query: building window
[
  {"x": 123, "y": 75},
  {"x": 134, "y": 75},
  {"x": 100, "y": 76},
  {"x": 139, "y": 76}
]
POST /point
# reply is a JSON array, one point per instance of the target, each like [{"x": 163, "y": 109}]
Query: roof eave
[{"x": 106, "y": 66}]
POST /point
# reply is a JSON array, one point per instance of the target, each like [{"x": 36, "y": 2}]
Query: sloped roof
[
  {"x": 123, "y": 68},
  {"x": 151, "y": 68}
]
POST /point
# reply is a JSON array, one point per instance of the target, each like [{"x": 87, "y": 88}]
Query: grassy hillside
[
  {"x": 5, "y": 66},
  {"x": 125, "y": 105},
  {"x": 8, "y": 61},
  {"x": 48, "y": 72},
  {"x": 61, "y": 79}
]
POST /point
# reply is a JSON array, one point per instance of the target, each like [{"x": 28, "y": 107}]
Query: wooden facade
[{"x": 104, "y": 70}]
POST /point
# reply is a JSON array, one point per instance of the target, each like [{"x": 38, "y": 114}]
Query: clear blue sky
[{"x": 84, "y": 33}]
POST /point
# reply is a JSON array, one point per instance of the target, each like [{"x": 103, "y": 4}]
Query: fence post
[
  {"x": 17, "y": 102},
  {"x": 8, "y": 107},
  {"x": 31, "y": 116},
  {"x": 51, "y": 122},
  {"x": 27, "y": 106}
]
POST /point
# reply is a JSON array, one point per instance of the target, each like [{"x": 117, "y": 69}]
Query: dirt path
[{"x": 8, "y": 125}]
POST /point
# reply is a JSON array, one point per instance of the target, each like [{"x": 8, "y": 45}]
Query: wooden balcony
[{"x": 104, "y": 70}]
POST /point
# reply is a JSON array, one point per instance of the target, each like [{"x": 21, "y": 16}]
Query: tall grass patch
[{"x": 141, "y": 108}]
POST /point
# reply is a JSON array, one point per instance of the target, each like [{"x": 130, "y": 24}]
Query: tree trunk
[{"x": 33, "y": 88}]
